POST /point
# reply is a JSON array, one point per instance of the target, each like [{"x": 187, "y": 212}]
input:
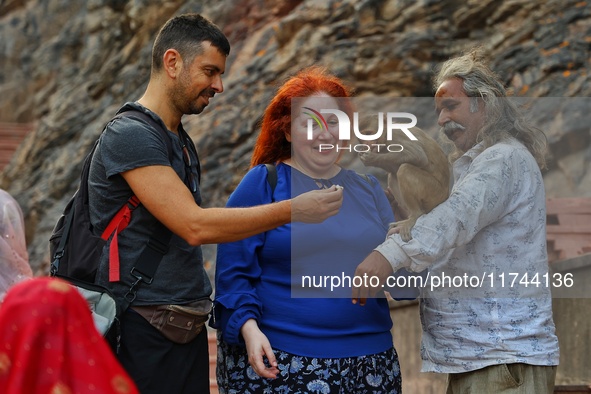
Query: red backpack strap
[{"x": 115, "y": 226}]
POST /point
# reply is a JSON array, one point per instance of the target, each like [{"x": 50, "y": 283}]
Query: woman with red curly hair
[
  {"x": 272, "y": 145},
  {"x": 277, "y": 335}
]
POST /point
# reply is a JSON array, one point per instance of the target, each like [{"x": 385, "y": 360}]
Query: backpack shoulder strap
[
  {"x": 185, "y": 137},
  {"x": 366, "y": 178},
  {"x": 272, "y": 178},
  {"x": 139, "y": 115},
  {"x": 146, "y": 265}
]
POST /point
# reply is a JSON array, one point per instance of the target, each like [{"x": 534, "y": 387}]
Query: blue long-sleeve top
[{"x": 260, "y": 277}]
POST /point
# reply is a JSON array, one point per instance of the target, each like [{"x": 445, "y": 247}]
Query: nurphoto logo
[{"x": 344, "y": 124}]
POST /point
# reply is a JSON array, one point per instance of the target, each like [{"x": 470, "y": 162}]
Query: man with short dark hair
[
  {"x": 162, "y": 346},
  {"x": 498, "y": 337}
]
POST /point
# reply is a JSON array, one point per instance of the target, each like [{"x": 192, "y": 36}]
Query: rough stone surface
[{"x": 68, "y": 65}]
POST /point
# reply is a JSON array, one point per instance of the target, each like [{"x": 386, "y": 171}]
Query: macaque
[{"x": 418, "y": 175}]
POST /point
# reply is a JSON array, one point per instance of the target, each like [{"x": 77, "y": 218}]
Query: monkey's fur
[{"x": 418, "y": 176}]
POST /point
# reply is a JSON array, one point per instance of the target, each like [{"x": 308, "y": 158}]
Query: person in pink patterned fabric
[
  {"x": 49, "y": 344},
  {"x": 14, "y": 259}
]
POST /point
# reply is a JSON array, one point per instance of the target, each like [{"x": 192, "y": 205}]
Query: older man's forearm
[{"x": 393, "y": 253}]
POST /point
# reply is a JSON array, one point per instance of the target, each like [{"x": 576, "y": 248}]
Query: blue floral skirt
[{"x": 375, "y": 373}]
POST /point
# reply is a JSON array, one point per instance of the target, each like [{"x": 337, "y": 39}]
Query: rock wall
[{"x": 68, "y": 65}]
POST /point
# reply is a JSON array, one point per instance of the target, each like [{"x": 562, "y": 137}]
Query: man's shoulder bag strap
[{"x": 157, "y": 246}]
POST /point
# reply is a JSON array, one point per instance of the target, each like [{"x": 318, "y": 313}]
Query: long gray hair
[{"x": 503, "y": 117}]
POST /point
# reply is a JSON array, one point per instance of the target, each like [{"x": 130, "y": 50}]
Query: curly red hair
[{"x": 271, "y": 145}]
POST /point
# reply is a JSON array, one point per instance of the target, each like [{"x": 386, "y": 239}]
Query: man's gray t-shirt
[{"x": 127, "y": 144}]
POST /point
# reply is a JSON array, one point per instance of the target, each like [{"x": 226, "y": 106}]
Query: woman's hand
[{"x": 257, "y": 346}]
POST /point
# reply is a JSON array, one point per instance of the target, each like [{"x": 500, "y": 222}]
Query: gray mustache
[{"x": 450, "y": 126}]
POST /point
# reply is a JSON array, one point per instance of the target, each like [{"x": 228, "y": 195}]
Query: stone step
[{"x": 11, "y": 136}]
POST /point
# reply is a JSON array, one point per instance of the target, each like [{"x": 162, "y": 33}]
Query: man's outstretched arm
[{"x": 167, "y": 198}]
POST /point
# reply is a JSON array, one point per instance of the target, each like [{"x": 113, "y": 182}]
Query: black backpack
[{"x": 74, "y": 248}]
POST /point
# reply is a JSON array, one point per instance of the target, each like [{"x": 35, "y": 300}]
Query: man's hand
[
  {"x": 257, "y": 346},
  {"x": 317, "y": 205},
  {"x": 374, "y": 265}
]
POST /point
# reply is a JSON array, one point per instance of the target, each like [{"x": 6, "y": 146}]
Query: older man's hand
[{"x": 373, "y": 271}]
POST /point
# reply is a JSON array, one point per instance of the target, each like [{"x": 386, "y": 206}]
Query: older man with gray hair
[{"x": 497, "y": 335}]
